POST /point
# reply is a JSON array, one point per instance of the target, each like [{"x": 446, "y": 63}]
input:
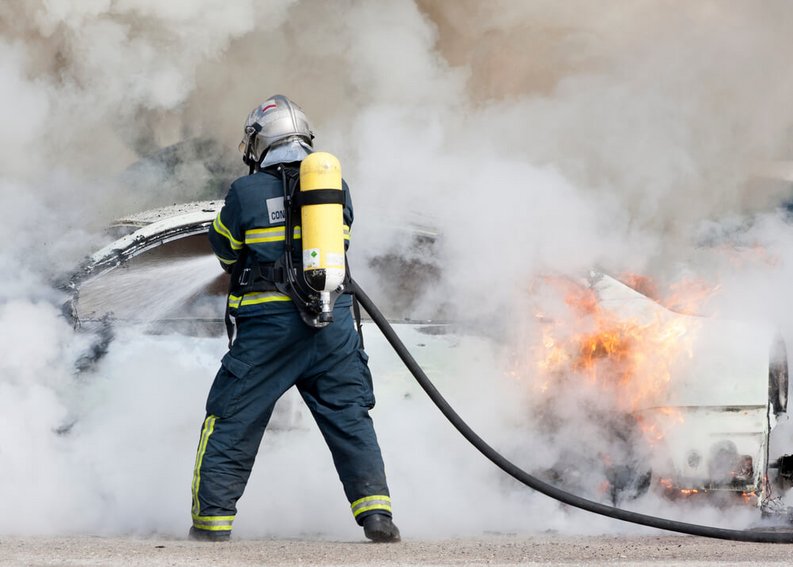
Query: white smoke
[{"x": 531, "y": 137}]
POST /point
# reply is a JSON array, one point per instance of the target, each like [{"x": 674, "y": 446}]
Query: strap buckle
[{"x": 245, "y": 276}]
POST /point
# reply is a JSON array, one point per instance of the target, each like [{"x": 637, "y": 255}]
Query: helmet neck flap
[{"x": 276, "y": 123}]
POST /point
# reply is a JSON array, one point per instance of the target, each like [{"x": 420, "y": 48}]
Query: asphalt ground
[{"x": 488, "y": 550}]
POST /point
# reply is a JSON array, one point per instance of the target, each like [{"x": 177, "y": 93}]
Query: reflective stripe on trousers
[
  {"x": 379, "y": 503},
  {"x": 213, "y": 523}
]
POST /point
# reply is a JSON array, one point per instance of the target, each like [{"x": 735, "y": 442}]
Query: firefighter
[{"x": 276, "y": 340}]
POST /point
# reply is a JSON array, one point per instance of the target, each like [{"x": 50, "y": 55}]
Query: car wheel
[{"x": 778, "y": 377}]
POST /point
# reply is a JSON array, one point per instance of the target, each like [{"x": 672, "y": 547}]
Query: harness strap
[
  {"x": 259, "y": 277},
  {"x": 271, "y": 273},
  {"x": 266, "y": 276},
  {"x": 319, "y": 197}
]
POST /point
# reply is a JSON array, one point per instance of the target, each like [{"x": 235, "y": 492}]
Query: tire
[{"x": 778, "y": 377}]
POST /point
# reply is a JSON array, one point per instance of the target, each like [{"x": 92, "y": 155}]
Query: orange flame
[
  {"x": 631, "y": 358},
  {"x": 688, "y": 296}
]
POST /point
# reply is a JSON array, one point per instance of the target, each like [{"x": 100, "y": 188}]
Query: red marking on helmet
[{"x": 268, "y": 107}]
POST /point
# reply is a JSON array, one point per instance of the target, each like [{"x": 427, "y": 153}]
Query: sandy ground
[{"x": 496, "y": 550}]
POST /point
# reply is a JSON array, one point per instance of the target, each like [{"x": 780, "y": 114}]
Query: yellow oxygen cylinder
[{"x": 322, "y": 227}]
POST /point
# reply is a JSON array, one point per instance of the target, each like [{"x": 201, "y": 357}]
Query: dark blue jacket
[{"x": 253, "y": 218}]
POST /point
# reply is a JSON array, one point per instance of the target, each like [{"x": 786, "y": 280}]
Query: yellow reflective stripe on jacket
[
  {"x": 273, "y": 234},
  {"x": 213, "y": 523},
  {"x": 254, "y": 298},
  {"x": 278, "y": 234},
  {"x": 221, "y": 229},
  {"x": 206, "y": 433},
  {"x": 378, "y": 502},
  {"x": 255, "y": 235},
  {"x": 224, "y": 261}
]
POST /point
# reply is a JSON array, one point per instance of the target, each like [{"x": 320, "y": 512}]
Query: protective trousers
[{"x": 270, "y": 354}]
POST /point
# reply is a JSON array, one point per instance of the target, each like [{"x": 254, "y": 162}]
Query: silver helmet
[{"x": 277, "y": 120}]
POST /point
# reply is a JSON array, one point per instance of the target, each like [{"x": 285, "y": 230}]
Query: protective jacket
[{"x": 253, "y": 218}]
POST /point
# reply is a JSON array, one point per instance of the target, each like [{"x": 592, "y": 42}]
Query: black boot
[
  {"x": 208, "y": 535},
  {"x": 380, "y": 529}
]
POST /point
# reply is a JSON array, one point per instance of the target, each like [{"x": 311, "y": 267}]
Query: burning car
[{"x": 693, "y": 401}]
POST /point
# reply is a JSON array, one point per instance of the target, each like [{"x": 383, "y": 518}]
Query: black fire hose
[{"x": 537, "y": 484}]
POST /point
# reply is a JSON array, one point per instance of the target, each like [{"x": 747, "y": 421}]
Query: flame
[
  {"x": 748, "y": 256},
  {"x": 688, "y": 296},
  {"x": 642, "y": 284},
  {"x": 673, "y": 491},
  {"x": 667, "y": 483},
  {"x": 629, "y": 357},
  {"x": 653, "y": 430}
]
